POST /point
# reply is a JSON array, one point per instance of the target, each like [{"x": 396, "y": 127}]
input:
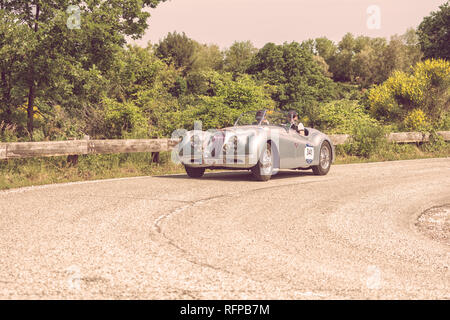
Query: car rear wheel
[
  {"x": 194, "y": 172},
  {"x": 263, "y": 170},
  {"x": 324, "y": 160}
]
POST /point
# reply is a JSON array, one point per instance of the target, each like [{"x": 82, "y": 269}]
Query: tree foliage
[
  {"x": 344, "y": 116},
  {"x": 297, "y": 77},
  {"x": 364, "y": 60},
  {"x": 58, "y": 60},
  {"x": 238, "y": 57},
  {"x": 434, "y": 33},
  {"x": 225, "y": 98},
  {"x": 58, "y": 82},
  {"x": 179, "y": 50}
]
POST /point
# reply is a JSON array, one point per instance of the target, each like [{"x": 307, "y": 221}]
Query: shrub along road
[{"x": 350, "y": 234}]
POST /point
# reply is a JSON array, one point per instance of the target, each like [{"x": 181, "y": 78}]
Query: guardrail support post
[
  {"x": 72, "y": 160},
  {"x": 155, "y": 157},
  {"x": 3, "y": 151}
]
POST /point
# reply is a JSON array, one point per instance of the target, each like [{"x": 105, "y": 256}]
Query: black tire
[
  {"x": 194, "y": 172},
  {"x": 263, "y": 170},
  {"x": 325, "y": 158}
]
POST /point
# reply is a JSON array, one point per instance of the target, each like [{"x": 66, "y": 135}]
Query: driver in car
[
  {"x": 293, "y": 120},
  {"x": 260, "y": 117}
]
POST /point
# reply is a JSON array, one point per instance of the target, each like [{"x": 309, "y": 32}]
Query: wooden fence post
[
  {"x": 155, "y": 157},
  {"x": 2, "y": 151},
  {"x": 72, "y": 160}
]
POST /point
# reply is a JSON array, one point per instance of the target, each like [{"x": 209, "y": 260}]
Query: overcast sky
[{"x": 224, "y": 21}]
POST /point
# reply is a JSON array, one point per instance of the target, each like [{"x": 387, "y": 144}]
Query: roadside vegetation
[
  {"x": 59, "y": 83},
  {"x": 40, "y": 171}
]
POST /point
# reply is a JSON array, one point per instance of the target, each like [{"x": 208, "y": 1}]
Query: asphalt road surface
[{"x": 351, "y": 234}]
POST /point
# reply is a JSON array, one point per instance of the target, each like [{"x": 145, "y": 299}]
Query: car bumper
[{"x": 238, "y": 162}]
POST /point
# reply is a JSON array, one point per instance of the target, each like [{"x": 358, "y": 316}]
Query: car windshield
[{"x": 263, "y": 118}]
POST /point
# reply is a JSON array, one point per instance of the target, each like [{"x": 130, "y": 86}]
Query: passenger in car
[{"x": 293, "y": 120}]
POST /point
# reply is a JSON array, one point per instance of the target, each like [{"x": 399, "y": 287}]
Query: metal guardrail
[{"x": 73, "y": 148}]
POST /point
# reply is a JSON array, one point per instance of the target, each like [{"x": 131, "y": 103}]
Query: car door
[
  {"x": 289, "y": 149},
  {"x": 304, "y": 151}
]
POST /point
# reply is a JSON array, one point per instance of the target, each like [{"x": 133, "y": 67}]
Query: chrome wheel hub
[{"x": 324, "y": 157}]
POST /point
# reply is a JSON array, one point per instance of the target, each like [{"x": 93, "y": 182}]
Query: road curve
[{"x": 350, "y": 234}]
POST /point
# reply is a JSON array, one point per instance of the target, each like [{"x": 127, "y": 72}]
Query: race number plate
[{"x": 309, "y": 153}]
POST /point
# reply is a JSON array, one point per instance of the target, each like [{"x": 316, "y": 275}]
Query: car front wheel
[
  {"x": 263, "y": 170},
  {"x": 194, "y": 172},
  {"x": 324, "y": 160}
]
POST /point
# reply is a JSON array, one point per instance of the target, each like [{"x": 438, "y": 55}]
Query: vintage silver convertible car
[{"x": 262, "y": 142}]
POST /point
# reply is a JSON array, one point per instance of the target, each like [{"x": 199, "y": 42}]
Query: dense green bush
[
  {"x": 444, "y": 122},
  {"x": 435, "y": 144},
  {"x": 225, "y": 97},
  {"x": 8, "y": 132},
  {"x": 124, "y": 120},
  {"x": 367, "y": 139},
  {"x": 344, "y": 116}
]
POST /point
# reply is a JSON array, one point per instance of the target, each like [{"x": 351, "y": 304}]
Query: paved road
[{"x": 350, "y": 234}]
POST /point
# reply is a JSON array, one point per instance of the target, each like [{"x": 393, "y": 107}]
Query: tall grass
[
  {"x": 395, "y": 151},
  {"x": 39, "y": 171}
]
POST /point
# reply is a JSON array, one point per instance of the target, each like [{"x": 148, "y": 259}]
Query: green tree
[
  {"x": 239, "y": 56},
  {"x": 324, "y": 67},
  {"x": 326, "y": 49},
  {"x": 208, "y": 57},
  {"x": 13, "y": 38},
  {"x": 179, "y": 50},
  {"x": 225, "y": 99},
  {"x": 56, "y": 55},
  {"x": 342, "y": 67},
  {"x": 143, "y": 86},
  {"x": 135, "y": 69},
  {"x": 434, "y": 33},
  {"x": 311, "y": 46},
  {"x": 296, "y": 76},
  {"x": 401, "y": 53},
  {"x": 367, "y": 61}
]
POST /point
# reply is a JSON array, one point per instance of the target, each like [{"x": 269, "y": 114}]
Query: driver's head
[
  {"x": 259, "y": 115},
  {"x": 292, "y": 115}
]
